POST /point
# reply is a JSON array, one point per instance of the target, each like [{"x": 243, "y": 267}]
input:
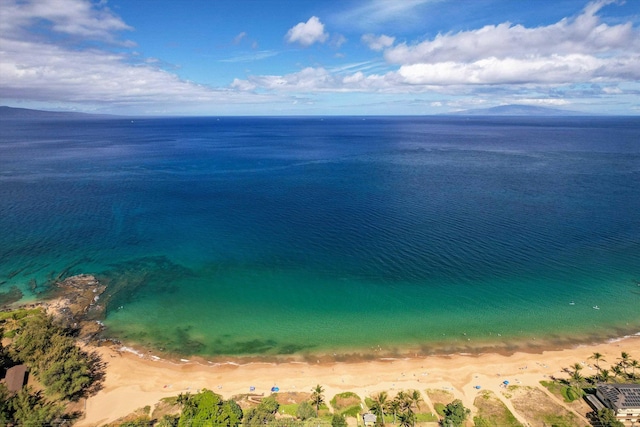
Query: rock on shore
[{"x": 77, "y": 303}]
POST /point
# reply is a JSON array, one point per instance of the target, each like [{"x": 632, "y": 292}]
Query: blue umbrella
[
  {"x": 506, "y": 383},
  {"x": 275, "y": 389}
]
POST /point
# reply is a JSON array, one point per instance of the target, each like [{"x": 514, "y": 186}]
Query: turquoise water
[{"x": 308, "y": 235}]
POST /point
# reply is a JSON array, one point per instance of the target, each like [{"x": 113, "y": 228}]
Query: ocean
[{"x": 239, "y": 236}]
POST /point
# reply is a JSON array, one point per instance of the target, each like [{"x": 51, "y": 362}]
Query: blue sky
[{"x": 319, "y": 57}]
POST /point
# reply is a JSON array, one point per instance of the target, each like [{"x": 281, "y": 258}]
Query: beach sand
[{"x": 136, "y": 380}]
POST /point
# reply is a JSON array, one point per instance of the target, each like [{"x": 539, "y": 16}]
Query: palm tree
[
  {"x": 576, "y": 378},
  {"x": 598, "y": 357},
  {"x": 604, "y": 376},
  {"x": 415, "y": 397},
  {"x": 577, "y": 367},
  {"x": 624, "y": 361},
  {"x": 407, "y": 419},
  {"x": 393, "y": 406},
  {"x": 379, "y": 403},
  {"x": 634, "y": 364},
  {"x": 617, "y": 370},
  {"x": 405, "y": 402},
  {"x": 317, "y": 397}
]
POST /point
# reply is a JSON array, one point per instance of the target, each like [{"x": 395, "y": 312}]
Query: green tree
[
  {"x": 633, "y": 365},
  {"x": 5, "y": 405},
  {"x": 624, "y": 361},
  {"x": 306, "y": 411},
  {"x": 415, "y": 398},
  {"x": 407, "y": 418},
  {"x": 393, "y": 408},
  {"x": 67, "y": 375},
  {"x": 168, "y": 421},
  {"x": 32, "y": 409},
  {"x": 317, "y": 397},
  {"x": 207, "y": 409},
  {"x": 403, "y": 405},
  {"x": 338, "y": 420},
  {"x": 143, "y": 421},
  {"x": 607, "y": 418},
  {"x": 617, "y": 371},
  {"x": 455, "y": 414},
  {"x": 262, "y": 414},
  {"x": 378, "y": 406},
  {"x": 53, "y": 357},
  {"x": 576, "y": 379},
  {"x": 598, "y": 357}
]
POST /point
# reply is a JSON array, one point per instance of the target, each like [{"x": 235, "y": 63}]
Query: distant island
[
  {"x": 518, "y": 110},
  {"x": 12, "y": 113}
]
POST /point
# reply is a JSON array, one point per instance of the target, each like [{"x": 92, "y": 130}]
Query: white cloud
[
  {"x": 251, "y": 56},
  {"x": 237, "y": 39},
  {"x": 33, "y": 68},
  {"x": 373, "y": 13},
  {"x": 71, "y": 17},
  {"x": 378, "y": 43},
  {"x": 307, "y": 33},
  {"x": 577, "y": 50},
  {"x": 337, "y": 40},
  {"x": 585, "y": 34},
  {"x": 312, "y": 79},
  {"x": 553, "y": 69},
  {"x": 581, "y": 49}
]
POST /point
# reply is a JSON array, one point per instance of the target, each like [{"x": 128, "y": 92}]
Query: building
[
  {"x": 623, "y": 399},
  {"x": 16, "y": 378},
  {"x": 369, "y": 419}
]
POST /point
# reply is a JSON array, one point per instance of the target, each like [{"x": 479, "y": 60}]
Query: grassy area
[
  {"x": 440, "y": 396},
  {"x": 535, "y": 406},
  {"x": 493, "y": 411},
  {"x": 568, "y": 394},
  {"x": 347, "y": 404},
  {"x": 12, "y": 320},
  {"x": 426, "y": 417},
  {"x": 289, "y": 409}
]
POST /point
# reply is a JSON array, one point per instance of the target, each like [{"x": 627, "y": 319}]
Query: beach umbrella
[
  {"x": 506, "y": 383},
  {"x": 477, "y": 387},
  {"x": 275, "y": 389}
]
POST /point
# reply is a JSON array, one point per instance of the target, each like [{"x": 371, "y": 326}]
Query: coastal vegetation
[
  {"x": 63, "y": 371},
  {"x": 493, "y": 412},
  {"x": 208, "y": 408},
  {"x": 625, "y": 370}
]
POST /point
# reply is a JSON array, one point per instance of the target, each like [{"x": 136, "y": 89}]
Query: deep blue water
[{"x": 277, "y": 235}]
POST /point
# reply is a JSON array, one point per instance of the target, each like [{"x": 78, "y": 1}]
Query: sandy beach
[{"x": 136, "y": 380}]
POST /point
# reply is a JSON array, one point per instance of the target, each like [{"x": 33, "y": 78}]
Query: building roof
[
  {"x": 369, "y": 418},
  {"x": 622, "y": 396},
  {"x": 15, "y": 377}
]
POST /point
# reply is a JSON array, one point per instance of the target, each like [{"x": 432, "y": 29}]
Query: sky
[{"x": 319, "y": 57}]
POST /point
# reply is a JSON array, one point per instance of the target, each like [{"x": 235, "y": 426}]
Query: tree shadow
[{"x": 98, "y": 373}]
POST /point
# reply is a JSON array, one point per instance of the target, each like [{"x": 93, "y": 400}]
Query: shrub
[{"x": 439, "y": 407}]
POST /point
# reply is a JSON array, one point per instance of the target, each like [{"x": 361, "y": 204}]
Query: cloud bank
[
  {"x": 73, "y": 51},
  {"x": 92, "y": 66},
  {"x": 574, "y": 51}
]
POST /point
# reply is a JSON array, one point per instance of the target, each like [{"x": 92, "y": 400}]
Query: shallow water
[{"x": 289, "y": 235}]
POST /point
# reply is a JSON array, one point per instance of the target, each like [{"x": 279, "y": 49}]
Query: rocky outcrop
[{"x": 77, "y": 304}]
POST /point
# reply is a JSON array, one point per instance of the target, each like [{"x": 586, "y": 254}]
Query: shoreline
[
  {"x": 505, "y": 347},
  {"x": 138, "y": 376},
  {"x": 135, "y": 380},
  {"x": 77, "y": 300}
]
